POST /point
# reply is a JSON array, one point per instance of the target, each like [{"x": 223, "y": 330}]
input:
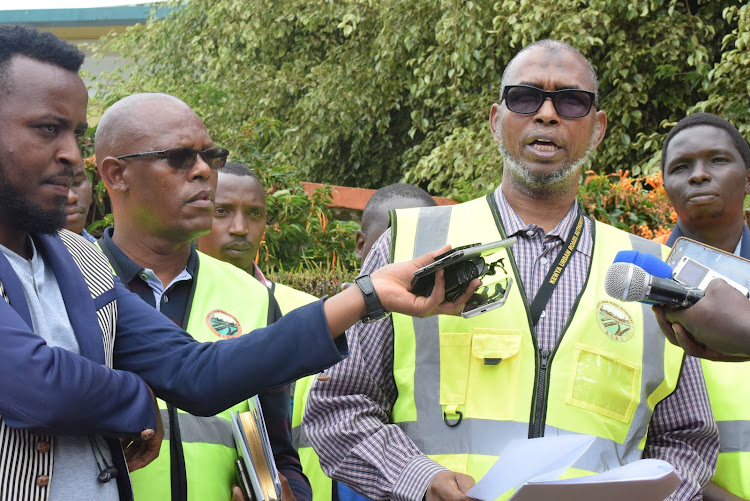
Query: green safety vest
[
  {"x": 733, "y": 419},
  {"x": 289, "y": 299},
  {"x": 226, "y": 303},
  {"x": 487, "y": 378}
]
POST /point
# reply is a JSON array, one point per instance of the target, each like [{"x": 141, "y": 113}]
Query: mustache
[{"x": 66, "y": 172}]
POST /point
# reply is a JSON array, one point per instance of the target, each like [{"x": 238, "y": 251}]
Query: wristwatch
[{"x": 375, "y": 310}]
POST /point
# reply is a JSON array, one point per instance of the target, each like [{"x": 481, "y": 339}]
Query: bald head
[
  {"x": 131, "y": 119},
  {"x": 551, "y": 46},
  {"x": 152, "y": 196}
]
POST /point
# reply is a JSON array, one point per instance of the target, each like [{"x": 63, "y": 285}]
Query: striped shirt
[{"x": 347, "y": 417}]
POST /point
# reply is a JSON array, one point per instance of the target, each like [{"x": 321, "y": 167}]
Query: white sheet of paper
[
  {"x": 524, "y": 460},
  {"x": 644, "y": 480}
]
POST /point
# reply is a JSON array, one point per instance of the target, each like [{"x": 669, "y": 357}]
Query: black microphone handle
[{"x": 670, "y": 293}]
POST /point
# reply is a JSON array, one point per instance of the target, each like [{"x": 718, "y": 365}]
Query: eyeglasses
[
  {"x": 184, "y": 158},
  {"x": 569, "y": 103}
]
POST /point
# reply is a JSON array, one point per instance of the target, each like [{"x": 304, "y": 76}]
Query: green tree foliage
[
  {"x": 727, "y": 87},
  {"x": 366, "y": 92}
]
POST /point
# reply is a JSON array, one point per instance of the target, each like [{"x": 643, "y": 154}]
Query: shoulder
[
  {"x": 290, "y": 298},
  {"x": 221, "y": 272}
]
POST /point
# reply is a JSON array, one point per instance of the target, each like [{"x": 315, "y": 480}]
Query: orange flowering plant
[{"x": 638, "y": 205}]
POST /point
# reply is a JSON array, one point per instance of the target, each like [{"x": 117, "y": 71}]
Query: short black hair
[
  {"x": 711, "y": 120},
  {"x": 238, "y": 169},
  {"x": 392, "y": 191},
  {"x": 19, "y": 40}
]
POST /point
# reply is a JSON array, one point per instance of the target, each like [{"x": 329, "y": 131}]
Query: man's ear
[
  {"x": 359, "y": 244},
  {"x": 495, "y": 122},
  {"x": 112, "y": 172},
  {"x": 747, "y": 182},
  {"x": 601, "y": 118}
]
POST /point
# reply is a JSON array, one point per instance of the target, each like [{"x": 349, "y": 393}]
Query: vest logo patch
[
  {"x": 223, "y": 324},
  {"x": 615, "y": 322}
]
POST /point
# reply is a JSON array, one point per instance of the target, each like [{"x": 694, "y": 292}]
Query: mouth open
[{"x": 544, "y": 146}]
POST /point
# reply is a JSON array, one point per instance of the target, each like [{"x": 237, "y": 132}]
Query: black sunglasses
[
  {"x": 184, "y": 158},
  {"x": 569, "y": 103}
]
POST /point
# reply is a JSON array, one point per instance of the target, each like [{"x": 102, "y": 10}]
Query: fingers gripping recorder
[{"x": 461, "y": 265}]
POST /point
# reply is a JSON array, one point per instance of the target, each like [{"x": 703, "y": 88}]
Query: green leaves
[{"x": 369, "y": 92}]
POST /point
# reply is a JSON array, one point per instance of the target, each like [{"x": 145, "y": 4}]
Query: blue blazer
[{"x": 51, "y": 390}]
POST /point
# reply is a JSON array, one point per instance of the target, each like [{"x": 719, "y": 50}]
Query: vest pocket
[
  {"x": 479, "y": 373},
  {"x": 604, "y": 383},
  {"x": 454, "y": 370}
]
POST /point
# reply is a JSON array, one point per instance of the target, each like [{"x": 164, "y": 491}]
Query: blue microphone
[{"x": 647, "y": 262}]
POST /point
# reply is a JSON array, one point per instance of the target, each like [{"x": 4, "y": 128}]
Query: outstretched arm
[{"x": 205, "y": 378}]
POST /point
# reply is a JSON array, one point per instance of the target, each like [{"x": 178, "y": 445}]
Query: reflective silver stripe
[
  {"x": 432, "y": 229},
  {"x": 201, "y": 429},
  {"x": 472, "y": 437},
  {"x": 734, "y": 436},
  {"x": 299, "y": 438},
  {"x": 431, "y": 233},
  {"x": 646, "y": 246}
]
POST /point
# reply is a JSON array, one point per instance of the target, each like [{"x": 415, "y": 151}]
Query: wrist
[{"x": 374, "y": 308}]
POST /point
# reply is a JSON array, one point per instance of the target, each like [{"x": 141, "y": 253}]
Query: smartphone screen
[{"x": 487, "y": 297}]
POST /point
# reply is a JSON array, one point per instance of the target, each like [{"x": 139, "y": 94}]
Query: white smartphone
[
  {"x": 487, "y": 298},
  {"x": 693, "y": 274}
]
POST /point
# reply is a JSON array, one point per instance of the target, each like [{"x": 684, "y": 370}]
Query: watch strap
[{"x": 375, "y": 310}]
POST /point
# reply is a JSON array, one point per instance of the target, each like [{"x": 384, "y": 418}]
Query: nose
[
  {"x": 69, "y": 152},
  {"x": 72, "y": 197},
  {"x": 200, "y": 169},
  {"x": 239, "y": 224},
  {"x": 547, "y": 113},
  {"x": 699, "y": 173}
]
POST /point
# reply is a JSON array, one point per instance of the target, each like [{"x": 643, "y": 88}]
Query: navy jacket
[{"x": 51, "y": 390}]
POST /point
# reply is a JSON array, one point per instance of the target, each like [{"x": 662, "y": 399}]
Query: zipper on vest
[{"x": 540, "y": 397}]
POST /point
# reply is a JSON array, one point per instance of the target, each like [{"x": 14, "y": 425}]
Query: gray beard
[{"x": 539, "y": 185}]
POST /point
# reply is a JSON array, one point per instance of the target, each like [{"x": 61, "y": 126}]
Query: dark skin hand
[
  {"x": 140, "y": 452},
  {"x": 449, "y": 486},
  {"x": 713, "y": 492},
  {"x": 286, "y": 491},
  {"x": 714, "y": 328}
]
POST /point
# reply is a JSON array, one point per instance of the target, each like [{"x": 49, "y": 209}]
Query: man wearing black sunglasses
[
  {"x": 80, "y": 353},
  {"x": 422, "y": 409}
]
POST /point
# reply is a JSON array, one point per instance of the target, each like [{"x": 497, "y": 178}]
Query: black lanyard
[{"x": 555, "y": 271}]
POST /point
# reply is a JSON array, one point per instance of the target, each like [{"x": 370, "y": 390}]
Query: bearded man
[{"x": 422, "y": 409}]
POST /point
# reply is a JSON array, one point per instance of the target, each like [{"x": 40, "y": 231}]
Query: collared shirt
[
  {"x": 173, "y": 302},
  {"x": 347, "y": 416}
]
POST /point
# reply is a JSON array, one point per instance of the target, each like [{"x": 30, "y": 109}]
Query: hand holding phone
[{"x": 461, "y": 265}]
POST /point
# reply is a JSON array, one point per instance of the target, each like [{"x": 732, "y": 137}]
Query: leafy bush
[
  {"x": 367, "y": 92},
  {"x": 638, "y": 205}
]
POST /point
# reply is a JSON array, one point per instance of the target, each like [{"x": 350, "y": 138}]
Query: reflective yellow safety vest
[
  {"x": 322, "y": 486},
  {"x": 226, "y": 303},
  {"x": 466, "y": 387},
  {"x": 724, "y": 380}
]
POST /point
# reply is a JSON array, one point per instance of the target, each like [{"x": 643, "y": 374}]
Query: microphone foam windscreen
[
  {"x": 650, "y": 263},
  {"x": 626, "y": 282}
]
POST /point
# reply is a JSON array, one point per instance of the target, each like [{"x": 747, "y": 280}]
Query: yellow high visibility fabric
[
  {"x": 594, "y": 378},
  {"x": 322, "y": 486},
  {"x": 724, "y": 381},
  {"x": 223, "y": 295}
]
